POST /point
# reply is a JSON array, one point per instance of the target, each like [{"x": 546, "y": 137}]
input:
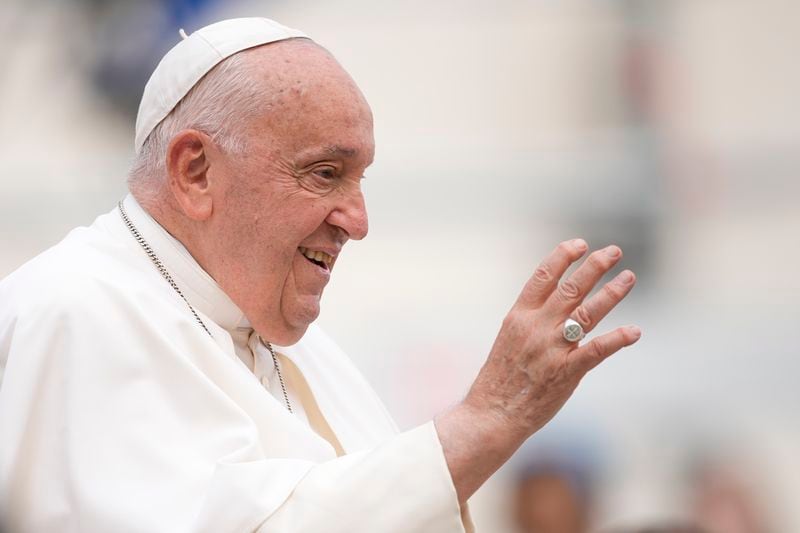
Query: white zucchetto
[{"x": 191, "y": 59}]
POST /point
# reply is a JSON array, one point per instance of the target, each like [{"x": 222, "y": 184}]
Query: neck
[{"x": 165, "y": 212}]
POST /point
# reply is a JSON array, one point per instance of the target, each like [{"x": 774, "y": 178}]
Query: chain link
[
  {"x": 165, "y": 274},
  {"x": 278, "y": 371}
]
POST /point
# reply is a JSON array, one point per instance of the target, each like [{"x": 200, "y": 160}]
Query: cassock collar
[{"x": 197, "y": 285}]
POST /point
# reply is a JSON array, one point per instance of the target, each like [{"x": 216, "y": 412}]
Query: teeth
[{"x": 322, "y": 257}]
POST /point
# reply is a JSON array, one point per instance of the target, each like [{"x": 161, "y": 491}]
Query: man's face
[{"x": 293, "y": 201}]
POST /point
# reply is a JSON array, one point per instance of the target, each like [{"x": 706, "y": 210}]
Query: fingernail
[
  {"x": 580, "y": 244},
  {"x": 635, "y": 331},
  {"x": 613, "y": 251},
  {"x": 625, "y": 277}
]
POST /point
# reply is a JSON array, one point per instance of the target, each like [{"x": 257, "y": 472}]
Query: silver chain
[{"x": 160, "y": 266}]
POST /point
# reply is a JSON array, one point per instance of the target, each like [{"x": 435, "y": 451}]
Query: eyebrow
[{"x": 337, "y": 150}]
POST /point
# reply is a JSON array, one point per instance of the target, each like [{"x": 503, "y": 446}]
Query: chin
[
  {"x": 289, "y": 336},
  {"x": 287, "y": 324},
  {"x": 296, "y": 322}
]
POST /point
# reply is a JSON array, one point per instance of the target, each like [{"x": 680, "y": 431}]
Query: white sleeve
[
  {"x": 401, "y": 486},
  {"x": 107, "y": 425}
]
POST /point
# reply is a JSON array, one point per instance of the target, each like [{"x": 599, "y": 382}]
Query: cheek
[
  {"x": 298, "y": 222},
  {"x": 263, "y": 236},
  {"x": 315, "y": 215},
  {"x": 270, "y": 250}
]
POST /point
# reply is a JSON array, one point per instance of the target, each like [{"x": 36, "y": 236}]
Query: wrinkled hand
[{"x": 532, "y": 370}]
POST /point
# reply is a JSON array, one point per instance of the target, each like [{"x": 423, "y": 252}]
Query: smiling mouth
[{"x": 321, "y": 259}]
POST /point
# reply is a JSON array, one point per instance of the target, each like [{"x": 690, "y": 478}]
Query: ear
[{"x": 188, "y": 161}]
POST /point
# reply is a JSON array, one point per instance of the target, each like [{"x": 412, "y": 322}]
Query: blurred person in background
[
  {"x": 666, "y": 528},
  {"x": 160, "y": 368},
  {"x": 552, "y": 496},
  {"x": 722, "y": 501}
]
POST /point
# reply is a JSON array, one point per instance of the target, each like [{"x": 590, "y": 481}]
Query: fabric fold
[{"x": 114, "y": 401}]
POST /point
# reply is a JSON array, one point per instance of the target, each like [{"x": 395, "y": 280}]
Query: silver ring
[{"x": 573, "y": 332}]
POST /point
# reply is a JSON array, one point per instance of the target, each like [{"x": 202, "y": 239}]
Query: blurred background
[{"x": 671, "y": 128}]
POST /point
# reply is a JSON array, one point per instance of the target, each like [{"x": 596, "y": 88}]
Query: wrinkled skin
[
  {"x": 245, "y": 218},
  {"x": 531, "y": 370}
]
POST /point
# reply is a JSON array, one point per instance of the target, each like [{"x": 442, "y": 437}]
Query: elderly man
[{"x": 160, "y": 369}]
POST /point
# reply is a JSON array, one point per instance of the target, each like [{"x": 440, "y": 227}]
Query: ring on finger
[{"x": 572, "y": 332}]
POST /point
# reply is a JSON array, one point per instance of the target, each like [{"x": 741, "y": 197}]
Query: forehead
[{"x": 310, "y": 99}]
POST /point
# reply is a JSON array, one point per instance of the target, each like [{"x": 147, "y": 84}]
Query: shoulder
[
  {"x": 82, "y": 275},
  {"x": 86, "y": 298}
]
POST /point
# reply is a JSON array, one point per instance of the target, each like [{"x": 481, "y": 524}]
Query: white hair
[{"x": 218, "y": 105}]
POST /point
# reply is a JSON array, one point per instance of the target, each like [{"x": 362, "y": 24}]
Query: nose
[{"x": 350, "y": 214}]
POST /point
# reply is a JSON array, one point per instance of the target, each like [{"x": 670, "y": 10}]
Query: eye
[
  {"x": 326, "y": 173},
  {"x": 321, "y": 178}
]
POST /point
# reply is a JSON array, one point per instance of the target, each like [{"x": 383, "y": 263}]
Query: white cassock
[{"x": 118, "y": 413}]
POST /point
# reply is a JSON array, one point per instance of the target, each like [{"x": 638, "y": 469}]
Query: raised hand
[{"x": 532, "y": 369}]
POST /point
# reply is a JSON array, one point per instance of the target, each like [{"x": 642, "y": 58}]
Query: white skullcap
[{"x": 189, "y": 60}]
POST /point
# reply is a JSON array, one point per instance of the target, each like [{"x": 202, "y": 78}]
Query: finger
[
  {"x": 593, "y": 310},
  {"x": 574, "y": 289},
  {"x": 545, "y": 278},
  {"x": 595, "y": 351}
]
